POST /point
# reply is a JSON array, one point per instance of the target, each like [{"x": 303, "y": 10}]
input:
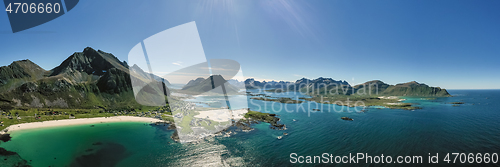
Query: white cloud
[
  {"x": 179, "y": 63},
  {"x": 301, "y": 76}
]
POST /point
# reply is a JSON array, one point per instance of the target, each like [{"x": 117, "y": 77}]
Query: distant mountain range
[
  {"x": 327, "y": 86},
  {"x": 88, "y": 79},
  {"x": 252, "y": 84}
]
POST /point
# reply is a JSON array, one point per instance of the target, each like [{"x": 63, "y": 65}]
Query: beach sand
[
  {"x": 222, "y": 115},
  {"x": 81, "y": 121}
]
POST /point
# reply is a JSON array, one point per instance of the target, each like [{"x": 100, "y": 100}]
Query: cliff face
[
  {"x": 88, "y": 79},
  {"x": 114, "y": 81}
]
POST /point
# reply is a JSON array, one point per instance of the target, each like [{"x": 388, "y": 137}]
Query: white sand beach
[
  {"x": 388, "y": 97},
  {"x": 222, "y": 115},
  {"x": 81, "y": 121}
]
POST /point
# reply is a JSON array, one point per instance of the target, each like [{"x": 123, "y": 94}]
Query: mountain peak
[
  {"x": 89, "y": 61},
  {"x": 22, "y": 61},
  {"x": 89, "y": 49},
  {"x": 303, "y": 80},
  {"x": 24, "y": 69}
]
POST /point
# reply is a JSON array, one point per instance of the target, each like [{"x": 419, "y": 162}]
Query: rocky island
[{"x": 264, "y": 117}]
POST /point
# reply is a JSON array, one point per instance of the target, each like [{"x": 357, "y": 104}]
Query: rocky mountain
[
  {"x": 252, "y": 84},
  {"x": 193, "y": 83},
  {"x": 202, "y": 85},
  {"x": 88, "y": 79},
  {"x": 88, "y": 65},
  {"x": 19, "y": 72},
  {"x": 303, "y": 81}
]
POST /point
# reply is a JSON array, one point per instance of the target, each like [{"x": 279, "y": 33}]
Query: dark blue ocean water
[
  {"x": 437, "y": 128},
  {"x": 473, "y": 127}
]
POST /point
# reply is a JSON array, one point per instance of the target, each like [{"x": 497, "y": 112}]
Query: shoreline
[{"x": 80, "y": 121}]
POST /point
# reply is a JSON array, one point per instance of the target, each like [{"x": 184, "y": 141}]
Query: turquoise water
[
  {"x": 60, "y": 146},
  {"x": 439, "y": 127}
]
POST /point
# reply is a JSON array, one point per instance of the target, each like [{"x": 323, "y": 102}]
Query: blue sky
[{"x": 451, "y": 44}]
